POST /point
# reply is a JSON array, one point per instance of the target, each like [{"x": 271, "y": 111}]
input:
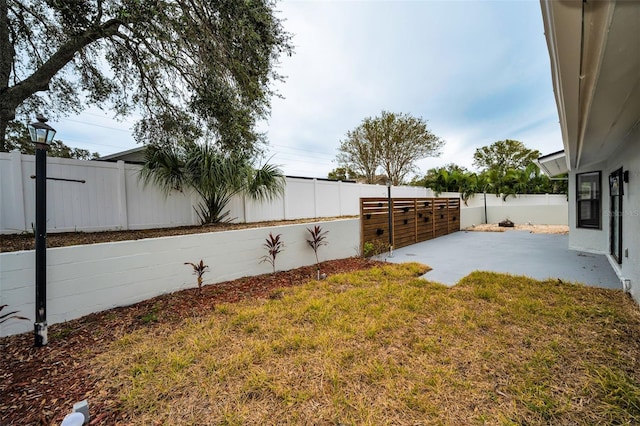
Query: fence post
[
  {"x": 284, "y": 200},
  {"x": 340, "y": 198},
  {"x": 15, "y": 195},
  {"x": 244, "y": 208},
  {"x": 123, "y": 217},
  {"x": 315, "y": 197}
]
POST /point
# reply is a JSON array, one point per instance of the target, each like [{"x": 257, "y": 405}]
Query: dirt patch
[
  {"x": 26, "y": 241},
  {"x": 38, "y": 386},
  {"x": 534, "y": 229}
]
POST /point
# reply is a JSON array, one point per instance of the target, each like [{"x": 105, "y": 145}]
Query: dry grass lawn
[{"x": 383, "y": 347}]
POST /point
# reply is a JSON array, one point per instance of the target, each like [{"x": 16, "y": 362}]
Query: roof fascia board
[
  {"x": 549, "y": 19},
  {"x": 597, "y": 18}
]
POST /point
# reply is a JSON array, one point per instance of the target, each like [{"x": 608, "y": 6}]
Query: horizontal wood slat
[{"x": 414, "y": 220}]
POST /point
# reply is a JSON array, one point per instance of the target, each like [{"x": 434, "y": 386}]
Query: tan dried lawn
[
  {"x": 384, "y": 347},
  {"x": 534, "y": 229}
]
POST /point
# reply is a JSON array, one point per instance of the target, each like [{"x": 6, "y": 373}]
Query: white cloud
[{"x": 477, "y": 71}]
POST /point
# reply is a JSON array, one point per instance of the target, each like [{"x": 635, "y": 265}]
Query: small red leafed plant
[
  {"x": 9, "y": 315},
  {"x": 198, "y": 269},
  {"x": 274, "y": 246},
  {"x": 318, "y": 239}
]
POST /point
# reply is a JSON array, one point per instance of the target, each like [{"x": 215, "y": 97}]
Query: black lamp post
[
  {"x": 390, "y": 204},
  {"x": 41, "y": 134}
]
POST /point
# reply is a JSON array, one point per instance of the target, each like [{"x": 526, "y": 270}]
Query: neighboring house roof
[
  {"x": 134, "y": 156},
  {"x": 553, "y": 164},
  {"x": 595, "y": 68},
  {"x": 320, "y": 179}
]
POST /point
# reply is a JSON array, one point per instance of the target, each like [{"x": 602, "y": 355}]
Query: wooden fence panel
[
  {"x": 404, "y": 222},
  {"x": 441, "y": 219},
  {"x": 453, "y": 208},
  {"x": 413, "y": 220},
  {"x": 424, "y": 220},
  {"x": 374, "y": 222}
]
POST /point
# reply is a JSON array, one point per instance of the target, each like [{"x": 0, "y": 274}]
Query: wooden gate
[{"x": 413, "y": 220}]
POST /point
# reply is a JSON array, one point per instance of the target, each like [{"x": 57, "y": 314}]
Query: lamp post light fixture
[
  {"x": 390, "y": 204},
  {"x": 41, "y": 134}
]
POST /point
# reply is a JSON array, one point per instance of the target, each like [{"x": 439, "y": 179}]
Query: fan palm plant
[{"x": 213, "y": 175}]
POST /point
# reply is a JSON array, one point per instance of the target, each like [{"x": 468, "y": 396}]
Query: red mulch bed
[{"x": 38, "y": 386}]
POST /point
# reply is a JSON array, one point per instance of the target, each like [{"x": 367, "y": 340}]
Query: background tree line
[
  {"x": 506, "y": 168},
  {"x": 385, "y": 147}
]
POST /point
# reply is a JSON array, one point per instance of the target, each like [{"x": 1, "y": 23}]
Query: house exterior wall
[
  {"x": 583, "y": 239},
  {"x": 629, "y": 159},
  {"x": 598, "y": 241}
]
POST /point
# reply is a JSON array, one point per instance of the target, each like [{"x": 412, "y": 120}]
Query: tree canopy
[
  {"x": 507, "y": 168},
  {"x": 453, "y": 178},
  {"x": 194, "y": 70},
  {"x": 504, "y": 155},
  {"x": 343, "y": 173},
  {"x": 391, "y": 142}
]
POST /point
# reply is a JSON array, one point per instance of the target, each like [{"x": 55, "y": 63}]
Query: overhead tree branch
[{"x": 40, "y": 79}]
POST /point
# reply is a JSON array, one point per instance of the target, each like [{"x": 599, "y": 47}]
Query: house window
[{"x": 588, "y": 199}]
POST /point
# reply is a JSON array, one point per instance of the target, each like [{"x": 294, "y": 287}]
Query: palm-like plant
[
  {"x": 470, "y": 185},
  {"x": 215, "y": 176}
]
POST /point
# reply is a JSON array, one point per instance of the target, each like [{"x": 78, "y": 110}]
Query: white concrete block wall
[
  {"x": 522, "y": 214},
  {"x": 93, "y": 278},
  {"x": 471, "y": 216}
]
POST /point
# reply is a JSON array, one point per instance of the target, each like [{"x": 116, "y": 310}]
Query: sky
[{"x": 476, "y": 71}]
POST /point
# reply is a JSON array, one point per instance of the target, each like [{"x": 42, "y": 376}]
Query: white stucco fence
[
  {"x": 538, "y": 209},
  {"x": 86, "y": 279},
  {"x": 112, "y": 197}
]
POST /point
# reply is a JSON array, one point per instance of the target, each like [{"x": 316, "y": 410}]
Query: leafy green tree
[
  {"x": 360, "y": 151},
  {"x": 504, "y": 155},
  {"x": 453, "y": 178},
  {"x": 18, "y": 138},
  {"x": 214, "y": 175},
  {"x": 342, "y": 173},
  {"x": 443, "y": 179},
  {"x": 522, "y": 181},
  {"x": 194, "y": 70},
  {"x": 391, "y": 142},
  {"x": 472, "y": 184}
]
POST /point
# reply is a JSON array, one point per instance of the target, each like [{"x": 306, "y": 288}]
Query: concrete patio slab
[{"x": 538, "y": 256}]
